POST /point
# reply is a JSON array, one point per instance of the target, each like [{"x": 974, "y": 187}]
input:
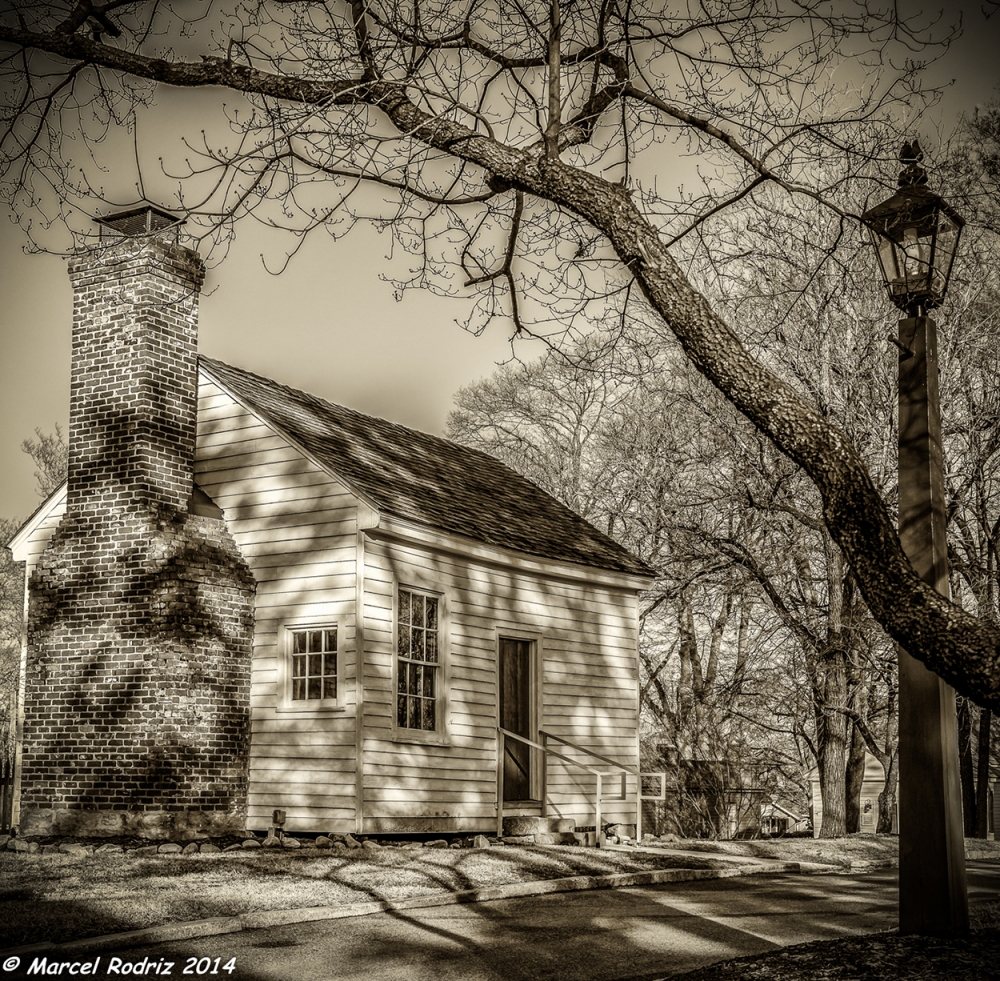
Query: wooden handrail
[
  {"x": 589, "y": 752},
  {"x": 504, "y": 734},
  {"x": 548, "y": 752},
  {"x": 621, "y": 766}
]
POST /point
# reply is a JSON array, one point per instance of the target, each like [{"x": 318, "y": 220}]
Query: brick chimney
[
  {"x": 140, "y": 614},
  {"x": 133, "y": 385}
]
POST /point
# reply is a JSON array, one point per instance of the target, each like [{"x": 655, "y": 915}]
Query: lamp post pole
[
  {"x": 932, "y": 887},
  {"x": 915, "y": 234}
]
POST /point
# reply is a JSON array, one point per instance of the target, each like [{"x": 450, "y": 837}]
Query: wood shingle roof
[{"x": 426, "y": 479}]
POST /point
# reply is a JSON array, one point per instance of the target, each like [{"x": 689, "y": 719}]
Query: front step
[
  {"x": 531, "y": 829},
  {"x": 526, "y": 824}
]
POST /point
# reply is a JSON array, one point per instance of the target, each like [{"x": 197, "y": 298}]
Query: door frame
[{"x": 535, "y": 675}]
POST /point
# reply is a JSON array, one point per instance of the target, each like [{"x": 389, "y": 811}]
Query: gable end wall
[{"x": 297, "y": 527}]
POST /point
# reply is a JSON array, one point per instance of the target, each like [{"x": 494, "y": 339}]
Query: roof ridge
[
  {"x": 301, "y": 392},
  {"x": 357, "y": 413},
  {"x": 427, "y": 478}
]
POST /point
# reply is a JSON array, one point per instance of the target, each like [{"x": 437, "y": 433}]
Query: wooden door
[{"x": 515, "y": 716}]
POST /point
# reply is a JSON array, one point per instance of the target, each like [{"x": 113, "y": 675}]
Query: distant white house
[
  {"x": 776, "y": 819},
  {"x": 871, "y": 787}
]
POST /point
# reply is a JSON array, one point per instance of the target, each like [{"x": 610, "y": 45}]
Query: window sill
[
  {"x": 417, "y": 737},
  {"x": 327, "y": 709}
]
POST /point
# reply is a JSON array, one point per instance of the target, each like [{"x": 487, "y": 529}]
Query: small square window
[{"x": 312, "y": 666}]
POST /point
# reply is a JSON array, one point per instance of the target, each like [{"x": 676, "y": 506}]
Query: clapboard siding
[
  {"x": 278, "y": 488},
  {"x": 381, "y": 762},
  {"x": 50, "y": 514},
  {"x": 298, "y": 519},
  {"x": 299, "y": 767},
  {"x": 312, "y": 812},
  {"x": 297, "y": 528},
  {"x": 588, "y": 671},
  {"x": 318, "y": 745}
]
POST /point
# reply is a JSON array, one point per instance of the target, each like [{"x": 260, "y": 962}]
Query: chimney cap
[{"x": 141, "y": 221}]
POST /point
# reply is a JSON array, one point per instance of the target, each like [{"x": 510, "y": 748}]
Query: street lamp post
[{"x": 915, "y": 234}]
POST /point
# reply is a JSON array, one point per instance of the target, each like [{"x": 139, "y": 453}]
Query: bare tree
[
  {"x": 508, "y": 141},
  {"x": 51, "y": 455},
  {"x": 48, "y": 451},
  {"x": 974, "y": 167},
  {"x": 970, "y": 363},
  {"x": 811, "y": 321},
  {"x": 973, "y": 484},
  {"x": 11, "y": 614}
]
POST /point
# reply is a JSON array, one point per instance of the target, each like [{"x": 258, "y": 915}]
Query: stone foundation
[{"x": 157, "y": 825}]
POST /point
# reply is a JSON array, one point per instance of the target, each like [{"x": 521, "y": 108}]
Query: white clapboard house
[{"x": 436, "y": 642}]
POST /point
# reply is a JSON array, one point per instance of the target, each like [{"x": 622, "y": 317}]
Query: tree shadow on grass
[
  {"x": 601, "y": 935},
  {"x": 638, "y": 933}
]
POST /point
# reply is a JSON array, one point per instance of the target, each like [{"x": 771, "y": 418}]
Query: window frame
[
  {"x": 439, "y": 734},
  {"x": 285, "y": 702}
]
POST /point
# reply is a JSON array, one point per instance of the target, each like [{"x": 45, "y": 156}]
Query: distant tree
[
  {"x": 973, "y": 445},
  {"x": 48, "y": 451},
  {"x": 973, "y": 170},
  {"x": 818, "y": 326},
  {"x": 11, "y": 615},
  {"x": 50, "y": 454},
  {"x": 970, "y": 365}
]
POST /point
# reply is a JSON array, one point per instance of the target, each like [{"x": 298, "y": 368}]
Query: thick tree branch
[
  {"x": 211, "y": 71},
  {"x": 964, "y": 650}
]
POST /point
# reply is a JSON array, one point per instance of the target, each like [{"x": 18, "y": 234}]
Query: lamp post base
[{"x": 933, "y": 900}]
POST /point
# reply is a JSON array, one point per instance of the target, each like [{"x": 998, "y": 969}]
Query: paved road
[{"x": 607, "y": 935}]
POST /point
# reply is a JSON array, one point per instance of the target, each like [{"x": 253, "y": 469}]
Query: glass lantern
[{"x": 915, "y": 234}]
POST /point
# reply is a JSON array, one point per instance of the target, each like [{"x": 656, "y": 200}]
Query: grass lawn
[{"x": 59, "y": 898}]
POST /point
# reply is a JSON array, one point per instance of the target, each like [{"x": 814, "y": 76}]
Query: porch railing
[{"x": 620, "y": 772}]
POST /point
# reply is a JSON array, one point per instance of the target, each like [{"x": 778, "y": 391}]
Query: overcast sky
[{"x": 327, "y": 324}]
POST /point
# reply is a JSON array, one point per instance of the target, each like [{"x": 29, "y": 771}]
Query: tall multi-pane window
[
  {"x": 417, "y": 661},
  {"x": 314, "y": 664}
]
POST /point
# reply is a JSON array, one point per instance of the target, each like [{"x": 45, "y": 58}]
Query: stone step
[
  {"x": 516, "y": 826},
  {"x": 586, "y": 839}
]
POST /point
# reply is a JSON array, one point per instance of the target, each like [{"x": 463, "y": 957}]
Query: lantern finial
[{"x": 913, "y": 174}]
